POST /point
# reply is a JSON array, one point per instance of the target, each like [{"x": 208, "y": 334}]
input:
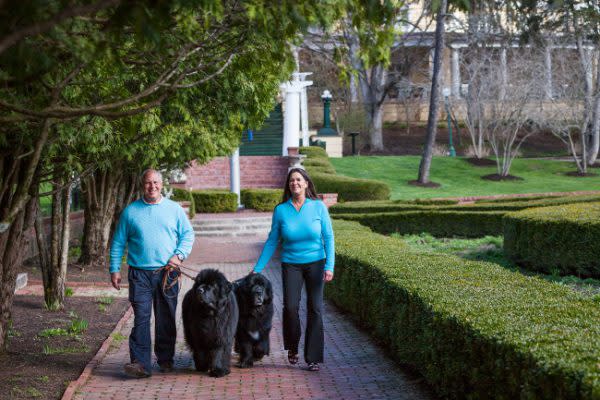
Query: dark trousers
[
  {"x": 145, "y": 292},
  {"x": 294, "y": 277}
]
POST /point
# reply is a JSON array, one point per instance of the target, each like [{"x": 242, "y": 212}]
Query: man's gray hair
[{"x": 147, "y": 171}]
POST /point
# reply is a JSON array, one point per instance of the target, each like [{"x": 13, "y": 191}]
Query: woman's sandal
[
  {"x": 292, "y": 357},
  {"x": 314, "y": 367}
]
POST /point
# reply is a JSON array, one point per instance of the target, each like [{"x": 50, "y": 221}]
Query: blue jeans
[{"x": 145, "y": 291}]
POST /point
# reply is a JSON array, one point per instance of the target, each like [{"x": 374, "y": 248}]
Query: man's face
[{"x": 152, "y": 186}]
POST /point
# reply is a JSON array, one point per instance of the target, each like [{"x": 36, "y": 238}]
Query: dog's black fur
[
  {"x": 255, "y": 300},
  {"x": 210, "y": 316}
]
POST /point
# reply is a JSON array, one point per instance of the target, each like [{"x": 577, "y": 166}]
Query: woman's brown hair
[{"x": 311, "y": 192}]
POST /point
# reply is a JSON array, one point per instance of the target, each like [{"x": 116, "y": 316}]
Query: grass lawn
[
  {"x": 459, "y": 178},
  {"x": 489, "y": 248}
]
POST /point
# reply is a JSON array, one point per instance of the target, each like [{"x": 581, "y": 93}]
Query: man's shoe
[
  {"x": 166, "y": 366},
  {"x": 136, "y": 370}
]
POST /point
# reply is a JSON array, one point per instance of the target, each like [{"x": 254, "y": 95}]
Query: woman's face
[{"x": 298, "y": 184}]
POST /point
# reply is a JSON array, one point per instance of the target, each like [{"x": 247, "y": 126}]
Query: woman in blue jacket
[{"x": 301, "y": 223}]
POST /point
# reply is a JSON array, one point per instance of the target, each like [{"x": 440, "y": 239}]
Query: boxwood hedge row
[
  {"x": 389, "y": 206},
  {"x": 261, "y": 199},
  {"x": 474, "y": 330},
  {"x": 215, "y": 201},
  {"x": 185, "y": 195},
  {"x": 563, "y": 239},
  {"x": 437, "y": 223},
  {"x": 323, "y": 174}
]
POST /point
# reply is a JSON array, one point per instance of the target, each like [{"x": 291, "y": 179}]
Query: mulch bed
[
  {"x": 41, "y": 367},
  {"x": 75, "y": 276},
  {"x": 480, "y": 162},
  {"x": 497, "y": 177},
  {"x": 426, "y": 185},
  {"x": 581, "y": 174}
]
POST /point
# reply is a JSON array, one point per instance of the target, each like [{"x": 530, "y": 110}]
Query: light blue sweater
[
  {"x": 306, "y": 235},
  {"x": 153, "y": 233}
]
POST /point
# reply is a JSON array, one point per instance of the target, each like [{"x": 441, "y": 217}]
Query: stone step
[
  {"x": 232, "y": 221},
  {"x": 209, "y": 228},
  {"x": 247, "y": 233}
]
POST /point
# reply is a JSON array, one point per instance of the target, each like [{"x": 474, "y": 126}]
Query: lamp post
[
  {"x": 446, "y": 92},
  {"x": 326, "y": 130}
]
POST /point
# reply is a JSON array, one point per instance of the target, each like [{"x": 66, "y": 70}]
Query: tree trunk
[
  {"x": 54, "y": 273},
  {"x": 105, "y": 199},
  {"x": 425, "y": 165},
  {"x": 12, "y": 243},
  {"x": 100, "y": 191}
]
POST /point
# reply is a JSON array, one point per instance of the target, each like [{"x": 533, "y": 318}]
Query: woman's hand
[{"x": 328, "y": 276}]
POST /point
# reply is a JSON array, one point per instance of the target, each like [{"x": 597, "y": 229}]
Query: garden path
[{"x": 354, "y": 368}]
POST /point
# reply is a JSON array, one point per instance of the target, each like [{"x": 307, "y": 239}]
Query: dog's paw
[
  {"x": 245, "y": 364},
  {"x": 218, "y": 372}
]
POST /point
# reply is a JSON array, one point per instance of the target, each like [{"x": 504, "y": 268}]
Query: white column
[
  {"x": 304, "y": 108},
  {"x": 455, "y": 73},
  {"x": 291, "y": 112},
  {"x": 548, "y": 62},
  {"x": 234, "y": 174}
]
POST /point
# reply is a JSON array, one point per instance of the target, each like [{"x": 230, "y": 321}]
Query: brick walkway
[{"x": 354, "y": 367}]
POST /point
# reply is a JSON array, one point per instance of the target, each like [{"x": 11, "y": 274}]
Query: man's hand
[
  {"x": 115, "y": 279},
  {"x": 174, "y": 261},
  {"x": 328, "y": 276}
]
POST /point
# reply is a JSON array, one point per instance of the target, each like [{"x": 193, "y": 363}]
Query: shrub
[
  {"x": 215, "y": 201},
  {"x": 318, "y": 165},
  {"x": 436, "y": 223},
  {"x": 261, "y": 199},
  {"x": 313, "y": 152},
  {"x": 435, "y": 202},
  {"x": 563, "y": 239},
  {"x": 391, "y": 206},
  {"x": 473, "y": 329},
  {"x": 351, "y": 189},
  {"x": 185, "y": 195}
]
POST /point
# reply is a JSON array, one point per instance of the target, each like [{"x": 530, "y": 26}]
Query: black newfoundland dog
[
  {"x": 210, "y": 317},
  {"x": 255, "y": 299}
]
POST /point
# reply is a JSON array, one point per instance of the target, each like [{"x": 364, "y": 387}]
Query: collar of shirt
[{"x": 153, "y": 204}]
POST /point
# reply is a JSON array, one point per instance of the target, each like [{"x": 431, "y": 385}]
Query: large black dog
[
  {"x": 210, "y": 317},
  {"x": 255, "y": 299}
]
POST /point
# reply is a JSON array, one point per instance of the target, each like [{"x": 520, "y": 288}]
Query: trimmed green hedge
[
  {"x": 313, "y": 152},
  {"x": 261, "y": 199},
  {"x": 318, "y": 165},
  {"x": 473, "y": 329},
  {"x": 436, "y": 223},
  {"x": 391, "y": 206},
  {"x": 215, "y": 201},
  {"x": 323, "y": 174},
  {"x": 185, "y": 195},
  {"x": 350, "y": 189},
  {"x": 563, "y": 239}
]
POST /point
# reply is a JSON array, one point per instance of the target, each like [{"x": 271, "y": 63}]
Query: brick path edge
[{"x": 85, "y": 374}]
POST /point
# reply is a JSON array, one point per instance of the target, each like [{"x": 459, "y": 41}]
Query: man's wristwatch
[{"x": 180, "y": 257}]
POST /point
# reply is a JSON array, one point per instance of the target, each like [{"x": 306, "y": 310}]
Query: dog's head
[
  {"x": 212, "y": 289},
  {"x": 258, "y": 290}
]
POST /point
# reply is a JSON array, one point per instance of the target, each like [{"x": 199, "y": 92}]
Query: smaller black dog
[
  {"x": 210, "y": 317},
  {"x": 255, "y": 300}
]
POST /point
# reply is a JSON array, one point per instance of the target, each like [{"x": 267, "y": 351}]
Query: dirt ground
[
  {"x": 75, "y": 275},
  {"x": 40, "y": 365},
  {"x": 397, "y": 141}
]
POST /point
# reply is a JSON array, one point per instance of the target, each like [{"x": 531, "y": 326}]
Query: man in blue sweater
[{"x": 157, "y": 232}]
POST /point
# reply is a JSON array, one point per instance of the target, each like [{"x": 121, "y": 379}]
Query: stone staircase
[{"x": 233, "y": 227}]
